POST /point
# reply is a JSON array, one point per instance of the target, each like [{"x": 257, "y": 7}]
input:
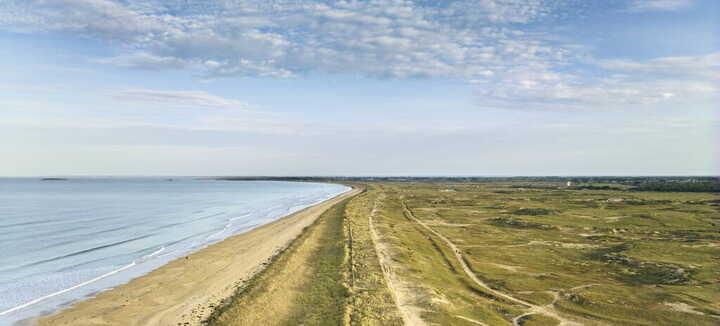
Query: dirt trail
[
  {"x": 471, "y": 320},
  {"x": 547, "y": 310},
  {"x": 410, "y": 314}
]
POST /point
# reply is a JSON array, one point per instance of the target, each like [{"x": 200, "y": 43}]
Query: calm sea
[{"x": 63, "y": 241}]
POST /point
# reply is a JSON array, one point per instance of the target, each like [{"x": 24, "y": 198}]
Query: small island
[{"x": 53, "y": 179}]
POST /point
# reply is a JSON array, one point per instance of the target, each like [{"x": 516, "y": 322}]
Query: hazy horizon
[
  {"x": 80, "y": 176},
  {"x": 383, "y": 87}
]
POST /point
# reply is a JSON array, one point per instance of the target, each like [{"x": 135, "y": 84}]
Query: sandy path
[
  {"x": 547, "y": 310},
  {"x": 185, "y": 291},
  {"x": 471, "y": 320},
  {"x": 410, "y": 314}
]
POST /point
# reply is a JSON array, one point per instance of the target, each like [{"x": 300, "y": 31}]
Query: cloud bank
[
  {"x": 281, "y": 38},
  {"x": 494, "y": 44}
]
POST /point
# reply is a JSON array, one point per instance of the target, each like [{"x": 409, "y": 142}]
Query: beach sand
[{"x": 185, "y": 291}]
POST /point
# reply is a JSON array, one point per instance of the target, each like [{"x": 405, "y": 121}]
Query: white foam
[{"x": 38, "y": 300}]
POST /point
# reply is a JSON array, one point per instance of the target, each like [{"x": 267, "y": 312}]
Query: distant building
[{"x": 569, "y": 183}]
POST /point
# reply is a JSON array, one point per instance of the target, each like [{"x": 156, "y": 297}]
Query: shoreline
[{"x": 186, "y": 290}]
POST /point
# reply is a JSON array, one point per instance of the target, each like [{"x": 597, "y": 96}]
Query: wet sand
[{"x": 185, "y": 291}]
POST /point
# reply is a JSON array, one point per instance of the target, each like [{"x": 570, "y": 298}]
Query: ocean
[{"x": 66, "y": 240}]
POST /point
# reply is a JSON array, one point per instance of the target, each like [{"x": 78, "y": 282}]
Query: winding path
[{"x": 547, "y": 310}]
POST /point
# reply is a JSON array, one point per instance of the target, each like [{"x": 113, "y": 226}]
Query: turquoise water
[{"x": 62, "y": 241}]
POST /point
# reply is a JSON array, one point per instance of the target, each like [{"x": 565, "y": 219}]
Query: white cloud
[
  {"x": 699, "y": 67},
  {"x": 146, "y": 61},
  {"x": 482, "y": 41},
  {"x": 495, "y": 11},
  {"x": 103, "y": 18},
  {"x": 283, "y": 38},
  {"x": 178, "y": 98},
  {"x": 653, "y": 5},
  {"x": 619, "y": 84}
]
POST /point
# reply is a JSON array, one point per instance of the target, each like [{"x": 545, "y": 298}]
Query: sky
[{"x": 375, "y": 87}]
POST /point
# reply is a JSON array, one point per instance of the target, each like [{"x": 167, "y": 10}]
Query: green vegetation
[
  {"x": 504, "y": 252},
  {"x": 532, "y": 211},
  {"x": 303, "y": 286},
  {"x": 597, "y": 255},
  {"x": 537, "y": 320},
  {"x": 517, "y": 223},
  {"x": 680, "y": 187},
  {"x": 326, "y": 290},
  {"x": 592, "y": 187},
  {"x": 371, "y": 302}
]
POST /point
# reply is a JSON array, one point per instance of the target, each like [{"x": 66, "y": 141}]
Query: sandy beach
[{"x": 184, "y": 291}]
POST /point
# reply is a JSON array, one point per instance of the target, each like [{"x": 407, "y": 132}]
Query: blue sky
[{"x": 380, "y": 87}]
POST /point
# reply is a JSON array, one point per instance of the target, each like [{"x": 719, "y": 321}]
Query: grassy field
[
  {"x": 496, "y": 253},
  {"x": 593, "y": 257}
]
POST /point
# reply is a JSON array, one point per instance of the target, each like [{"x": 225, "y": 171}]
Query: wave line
[{"x": 25, "y": 305}]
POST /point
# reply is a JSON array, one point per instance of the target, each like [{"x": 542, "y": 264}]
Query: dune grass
[
  {"x": 304, "y": 285},
  {"x": 595, "y": 256},
  {"x": 370, "y": 303}
]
